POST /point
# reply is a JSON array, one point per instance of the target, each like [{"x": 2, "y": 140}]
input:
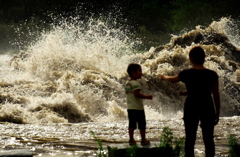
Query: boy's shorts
[{"x": 136, "y": 117}]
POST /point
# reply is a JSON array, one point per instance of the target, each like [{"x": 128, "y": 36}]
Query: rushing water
[{"x": 71, "y": 81}]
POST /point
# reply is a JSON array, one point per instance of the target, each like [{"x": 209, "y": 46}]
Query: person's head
[
  {"x": 197, "y": 55},
  {"x": 134, "y": 70}
]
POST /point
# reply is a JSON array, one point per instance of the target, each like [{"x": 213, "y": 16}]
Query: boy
[
  {"x": 136, "y": 114},
  {"x": 201, "y": 83}
]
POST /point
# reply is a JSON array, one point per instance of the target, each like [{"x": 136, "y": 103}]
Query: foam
[{"x": 72, "y": 74}]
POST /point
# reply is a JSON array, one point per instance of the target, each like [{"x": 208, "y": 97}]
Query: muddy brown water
[{"x": 75, "y": 139}]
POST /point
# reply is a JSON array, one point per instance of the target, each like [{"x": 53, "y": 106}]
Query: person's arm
[
  {"x": 216, "y": 98},
  {"x": 140, "y": 95},
  {"x": 172, "y": 79},
  {"x": 183, "y": 93}
]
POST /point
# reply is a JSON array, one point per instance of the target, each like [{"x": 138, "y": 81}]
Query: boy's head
[
  {"x": 133, "y": 68},
  {"x": 197, "y": 55}
]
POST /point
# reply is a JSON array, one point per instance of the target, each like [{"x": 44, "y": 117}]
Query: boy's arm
[
  {"x": 141, "y": 96},
  {"x": 172, "y": 79},
  {"x": 216, "y": 98}
]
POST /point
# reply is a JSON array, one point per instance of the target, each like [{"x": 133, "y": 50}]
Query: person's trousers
[{"x": 191, "y": 125}]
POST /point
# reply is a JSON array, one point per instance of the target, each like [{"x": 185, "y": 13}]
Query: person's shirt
[
  {"x": 132, "y": 101},
  {"x": 199, "y": 82}
]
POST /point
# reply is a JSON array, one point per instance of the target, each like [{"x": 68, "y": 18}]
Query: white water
[{"x": 74, "y": 75}]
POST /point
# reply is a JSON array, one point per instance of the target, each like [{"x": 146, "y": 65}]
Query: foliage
[
  {"x": 178, "y": 149},
  {"x": 159, "y": 18},
  {"x": 190, "y": 14},
  {"x": 101, "y": 152},
  {"x": 156, "y": 15},
  {"x": 132, "y": 151},
  {"x": 166, "y": 142},
  {"x": 166, "y": 139},
  {"x": 232, "y": 141}
]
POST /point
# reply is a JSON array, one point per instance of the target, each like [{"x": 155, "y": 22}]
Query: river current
[{"x": 71, "y": 81}]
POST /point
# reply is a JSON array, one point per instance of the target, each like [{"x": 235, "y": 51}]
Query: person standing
[
  {"x": 136, "y": 114},
  {"x": 201, "y": 83}
]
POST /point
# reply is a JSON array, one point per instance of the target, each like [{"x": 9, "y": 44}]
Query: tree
[{"x": 190, "y": 13}]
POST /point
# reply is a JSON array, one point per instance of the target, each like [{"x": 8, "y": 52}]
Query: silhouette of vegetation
[{"x": 152, "y": 20}]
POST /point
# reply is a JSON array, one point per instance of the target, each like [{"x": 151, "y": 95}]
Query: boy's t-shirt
[{"x": 132, "y": 101}]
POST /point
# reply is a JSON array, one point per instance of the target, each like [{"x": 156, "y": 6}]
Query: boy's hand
[
  {"x": 141, "y": 96},
  {"x": 161, "y": 76}
]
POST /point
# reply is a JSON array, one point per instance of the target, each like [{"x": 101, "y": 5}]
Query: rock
[
  {"x": 16, "y": 153},
  {"x": 121, "y": 150}
]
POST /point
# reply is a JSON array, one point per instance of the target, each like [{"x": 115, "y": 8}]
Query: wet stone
[
  {"x": 16, "y": 153},
  {"x": 123, "y": 150}
]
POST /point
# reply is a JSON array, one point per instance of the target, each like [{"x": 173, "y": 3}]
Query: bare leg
[
  {"x": 131, "y": 136},
  {"x": 131, "y": 133},
  {"x": 143, "y": 134}
]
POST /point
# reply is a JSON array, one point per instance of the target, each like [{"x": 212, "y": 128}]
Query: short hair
[
  {"x": 132, "y": 67},
  {"x": 197, "y": 55}
]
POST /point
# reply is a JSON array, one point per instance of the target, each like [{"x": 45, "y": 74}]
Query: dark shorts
[{"x": 136, "y": 118}]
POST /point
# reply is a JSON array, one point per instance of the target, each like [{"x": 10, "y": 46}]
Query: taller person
[{"x": 201, "y": 83}]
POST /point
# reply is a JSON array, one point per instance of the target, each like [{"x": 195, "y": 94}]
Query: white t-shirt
[{"x": 132, "y": 101}]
